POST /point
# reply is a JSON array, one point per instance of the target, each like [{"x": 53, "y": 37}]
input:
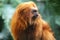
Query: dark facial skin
[{"x": 35, "y": 13}]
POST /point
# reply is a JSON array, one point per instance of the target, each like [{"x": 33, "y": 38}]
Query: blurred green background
[{"x": 49, "y": 9}]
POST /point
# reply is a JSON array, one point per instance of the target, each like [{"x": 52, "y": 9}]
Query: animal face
[{"x": 29, "y": 12}]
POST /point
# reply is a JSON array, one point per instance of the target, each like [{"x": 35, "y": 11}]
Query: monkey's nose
[{"x": 35, "y": 16}]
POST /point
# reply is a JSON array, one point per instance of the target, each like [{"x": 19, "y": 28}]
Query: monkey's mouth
[{"x": 34, "y": 17}]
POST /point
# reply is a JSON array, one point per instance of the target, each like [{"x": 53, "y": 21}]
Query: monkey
[{"x": 27, "y": 24}]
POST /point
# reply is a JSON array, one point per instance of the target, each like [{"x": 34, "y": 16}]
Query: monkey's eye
[{"x": 34, "y": 11}]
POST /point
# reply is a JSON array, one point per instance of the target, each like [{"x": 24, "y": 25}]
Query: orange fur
[{"x": 24, "y": 28}]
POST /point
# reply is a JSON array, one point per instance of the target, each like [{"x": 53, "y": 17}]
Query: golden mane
[{"x": 21, "y": 30}]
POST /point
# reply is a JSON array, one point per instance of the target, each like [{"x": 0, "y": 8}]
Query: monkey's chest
[{"x": 30, "y": 33}]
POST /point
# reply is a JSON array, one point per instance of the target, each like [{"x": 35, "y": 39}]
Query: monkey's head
[{"x": 28, "y": 11}]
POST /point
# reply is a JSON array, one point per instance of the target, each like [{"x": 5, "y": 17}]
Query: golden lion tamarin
[{"x": 27, "y": 24}]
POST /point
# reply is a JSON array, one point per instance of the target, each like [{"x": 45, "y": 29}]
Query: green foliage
[
  {"x": 55, "y": 6},
  {"x": 1, "y": 23},
  {"x": 1, "y": 3}
]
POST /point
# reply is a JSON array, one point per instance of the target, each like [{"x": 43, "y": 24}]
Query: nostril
[{"x": 36, "y": 15}]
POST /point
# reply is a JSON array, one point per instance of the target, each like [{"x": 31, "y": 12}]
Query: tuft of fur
[{"x": 24, "y": 28}]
